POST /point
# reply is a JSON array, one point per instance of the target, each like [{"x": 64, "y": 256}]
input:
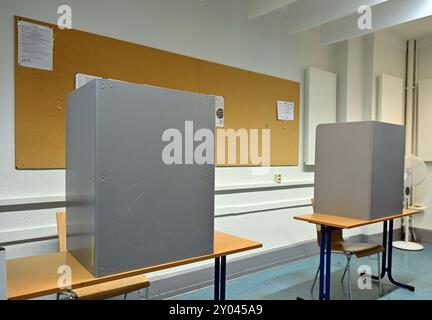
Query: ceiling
[
  {"x": 415, "y": 29},
  {"x": 339, "y": 20}
]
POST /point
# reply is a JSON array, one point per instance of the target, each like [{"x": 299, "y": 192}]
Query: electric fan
[{"x": 415, "y": 174}]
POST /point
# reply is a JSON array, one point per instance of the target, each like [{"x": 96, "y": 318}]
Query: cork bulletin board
[{"x": 40, "y": 95}]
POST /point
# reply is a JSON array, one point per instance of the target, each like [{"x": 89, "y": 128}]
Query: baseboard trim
[
  {"x": 377, "y": 238},
  {"x": 423, "y": 235}
]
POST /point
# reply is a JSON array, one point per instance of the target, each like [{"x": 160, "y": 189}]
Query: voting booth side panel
[
  {"x": 387, "y": 189},
  {"x": 81, "y": 174},
  {"x": 154, "y": 198},
  {"x": 342, "y": 172}
]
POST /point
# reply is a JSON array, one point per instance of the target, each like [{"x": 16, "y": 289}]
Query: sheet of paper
[
  {"x": 220, "y": 112},
  {"x": 82, "y": 79},
  {"x": 286, "y": 110},
  {"x": 35, "y": 46}
]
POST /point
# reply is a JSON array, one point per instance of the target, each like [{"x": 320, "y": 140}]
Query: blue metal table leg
[
  {"x": 223, "y": 279},
  {"x": 328, "y": 263},
  {"x": 387, "y": 263},
  {"x": 217, "y": 280},
  {"x": 322, "y": 261},
  {"x": 384, "y": 254},
  {"x": 390, "y": 262}
]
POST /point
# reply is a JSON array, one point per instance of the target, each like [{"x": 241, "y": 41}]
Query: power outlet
[{"x": 278, "y": 178}]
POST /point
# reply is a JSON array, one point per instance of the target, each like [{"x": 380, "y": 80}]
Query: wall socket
[{"x": 278, "y": 178}]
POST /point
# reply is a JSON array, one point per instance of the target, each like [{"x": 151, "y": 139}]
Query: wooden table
[
  {"x": 349, "y": 223},
  {"x": 37, "y": 276},
  {"x": 331, "y": 222}
]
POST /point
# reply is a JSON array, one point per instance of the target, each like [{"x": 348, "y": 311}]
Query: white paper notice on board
[
  {"x": 286, "y": 110},
  {"x": 35, "y": 46},
  {"x": 82, "y": 79},
  {"x": 220, "y": 112}
]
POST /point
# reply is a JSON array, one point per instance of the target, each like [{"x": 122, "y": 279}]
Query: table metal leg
[
  {"x": 321, "y": 266},
  {"x": 390, "y": 262},
  {"x": 328, "y": 263},
  {"x": 223, "y": 279},
  {"x": 217, "y": 280},
  {"x": 387, "y": 257},
  {"x": 220, "y": 279},
  {"x": 325, "y": 263},
  {"x": 384, "y": 254}
]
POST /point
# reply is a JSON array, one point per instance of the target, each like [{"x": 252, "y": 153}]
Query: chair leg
[
  {"x": 345, "y": 271},
  {"x": 379, "y": 278},
  {"x": 66, "y": 295},
  {"x": 315, "y": 280},
  {"x": 125, "y": 296},
  {"x": 349, "y": 277},
  {"x": 144, "y": 294}
]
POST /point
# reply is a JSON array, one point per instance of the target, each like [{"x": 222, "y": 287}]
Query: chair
[
  {"x": 360, "y": 250},
  {"x": 100, "y": 291}
]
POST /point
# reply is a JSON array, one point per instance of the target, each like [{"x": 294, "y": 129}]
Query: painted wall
[
  {"x": 389, "y": 58},
  {"x": 213, "y": 30},
  {"x": 350, "y": 81}
]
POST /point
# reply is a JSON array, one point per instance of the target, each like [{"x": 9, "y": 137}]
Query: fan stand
[
  {"x": 415, "y": 174},
  {"x": 407, "y": 244}
]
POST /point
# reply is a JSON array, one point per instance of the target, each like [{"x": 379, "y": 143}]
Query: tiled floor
[{"x": 295, "y": 280}]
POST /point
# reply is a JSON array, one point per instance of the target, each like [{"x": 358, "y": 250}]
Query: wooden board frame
[{"x": 40, "y": 96}]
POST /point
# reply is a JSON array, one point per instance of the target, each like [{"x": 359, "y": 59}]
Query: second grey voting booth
[
  {"x": 360, "y": 169},
  {"x": 127, "y": 208}
]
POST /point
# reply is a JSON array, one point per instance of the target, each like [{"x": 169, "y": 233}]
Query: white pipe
[{"x": 407, "y": 231}]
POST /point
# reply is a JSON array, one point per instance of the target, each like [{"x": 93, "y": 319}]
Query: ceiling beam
[
  {"x": 306, "y": 14},
  {"x": 384, "y": 15},
  {"x": 258, "y": 8}
]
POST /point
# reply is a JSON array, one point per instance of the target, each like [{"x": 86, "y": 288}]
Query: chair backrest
[
  {"x": 104, "y": 290},
  {"x": 61, "y": 230},
  {"x": 337, "y": 234}
]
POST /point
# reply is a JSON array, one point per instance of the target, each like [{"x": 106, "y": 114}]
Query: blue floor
[{"x": 289, "y": 281}]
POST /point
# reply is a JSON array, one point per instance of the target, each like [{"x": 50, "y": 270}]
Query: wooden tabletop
[
  {"x": 348, "y": 223},
  {"x": 37, "y": 276}
]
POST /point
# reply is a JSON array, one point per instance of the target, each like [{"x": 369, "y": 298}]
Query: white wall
[
  {"x": 350, "y": 69},
  {"x": 213, "y": 30},
  {"x": 357, "y": 69},
  {"x": 342, "y": 71},
  {"x": 389, "y": 58}
]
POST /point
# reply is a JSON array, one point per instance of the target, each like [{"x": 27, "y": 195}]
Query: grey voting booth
[
  {"x": 127, "y": 208},
  {"x": 360, "y": 169}
]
